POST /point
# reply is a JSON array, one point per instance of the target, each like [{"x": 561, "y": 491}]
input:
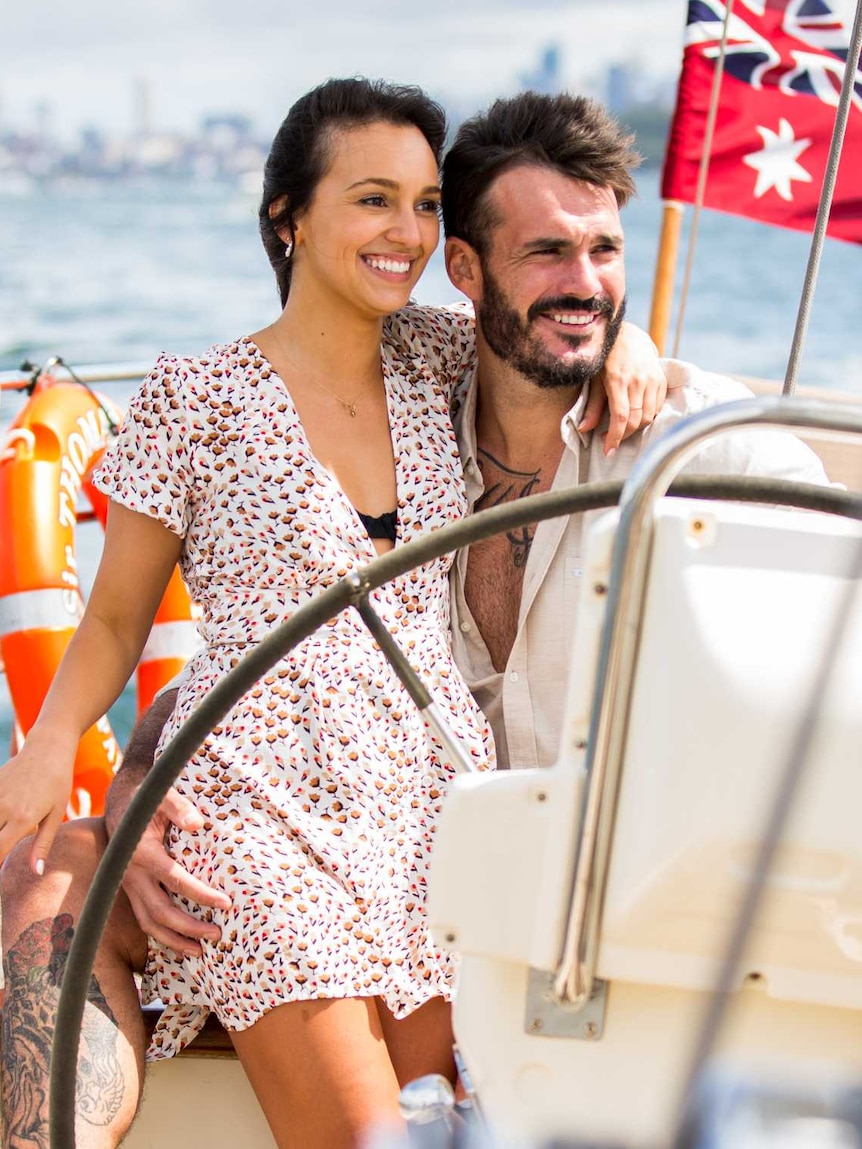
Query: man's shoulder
[
  {"x": 691, "y": 389},
  {"x": 777, "y": 454}
]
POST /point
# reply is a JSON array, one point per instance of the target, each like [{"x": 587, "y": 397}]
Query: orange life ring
[{"x": 46, "y": 459}]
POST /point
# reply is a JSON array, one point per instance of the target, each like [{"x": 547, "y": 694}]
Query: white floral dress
[{"x": 321, "y": 789}]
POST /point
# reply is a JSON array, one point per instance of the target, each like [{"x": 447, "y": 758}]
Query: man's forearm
[{"x": 138, "y": 757}]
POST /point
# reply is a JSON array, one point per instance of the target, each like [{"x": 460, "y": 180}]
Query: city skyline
[{"x": 77, "y": 66}]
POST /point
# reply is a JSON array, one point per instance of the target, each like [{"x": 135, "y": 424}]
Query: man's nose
[{"x": 582, "y": 278}]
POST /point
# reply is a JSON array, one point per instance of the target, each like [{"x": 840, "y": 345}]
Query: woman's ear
[
  {"x": 276, "y": 208},
  {"x": 464, "y": 268}
]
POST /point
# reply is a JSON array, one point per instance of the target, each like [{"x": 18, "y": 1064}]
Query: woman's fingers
[
  {"x": 618, "y": 421},
  {"x": 44, "y": 839},
  {"x": 597, "y": 401}
]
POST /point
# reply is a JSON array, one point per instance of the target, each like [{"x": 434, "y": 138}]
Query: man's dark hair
[
  {"x": 300, "y": 152},
  {"x": 569, "y": 134}
]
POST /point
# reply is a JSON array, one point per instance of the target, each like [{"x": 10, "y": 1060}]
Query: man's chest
[{"x": 494, "y": 580}]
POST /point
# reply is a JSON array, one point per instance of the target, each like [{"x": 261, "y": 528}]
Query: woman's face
[{"x": 372, "y": 223}]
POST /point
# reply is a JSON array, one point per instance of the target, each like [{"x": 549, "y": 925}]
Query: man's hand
[
  {"x": 152, "y": 871},
  {"x": 633, "y": 386}
]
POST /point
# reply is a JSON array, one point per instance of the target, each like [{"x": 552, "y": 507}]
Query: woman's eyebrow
[{"x": 380, "y": 181}]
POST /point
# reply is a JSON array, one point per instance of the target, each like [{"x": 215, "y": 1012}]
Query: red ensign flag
[{"x": 779, "y": 93}]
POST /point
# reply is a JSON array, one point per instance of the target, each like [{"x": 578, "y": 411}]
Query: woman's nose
[{"x": 405, "y": 228}]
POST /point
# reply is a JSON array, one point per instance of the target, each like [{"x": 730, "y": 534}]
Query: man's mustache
[{"x": 600, "y": 304}]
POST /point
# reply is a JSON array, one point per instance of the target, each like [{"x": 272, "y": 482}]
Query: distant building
[{"x": 547, "y": 76}]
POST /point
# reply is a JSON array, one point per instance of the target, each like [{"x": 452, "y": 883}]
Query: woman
[{"x": 270, "y": 468}]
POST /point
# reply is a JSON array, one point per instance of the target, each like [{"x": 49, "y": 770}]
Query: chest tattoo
[{"x": 504, "y": 485}]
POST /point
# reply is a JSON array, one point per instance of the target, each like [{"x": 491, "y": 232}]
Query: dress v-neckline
[{"x": 394, "y": 431}]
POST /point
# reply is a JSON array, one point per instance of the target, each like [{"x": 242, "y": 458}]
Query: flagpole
[
  {"x": 702, "y": 175},
  {"x": 665, "y": 271},
  {"x": 825, "y": 205}
]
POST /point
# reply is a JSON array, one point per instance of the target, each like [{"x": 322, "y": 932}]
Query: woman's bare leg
[
  {"x": 39, "y": 918},
  {"x": 321, "y": 1071},
  {"x": 421, "y": 1042}
]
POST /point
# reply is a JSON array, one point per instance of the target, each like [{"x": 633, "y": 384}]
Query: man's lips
[
  {"x": 574, "y": 316},
  {"x": 573, "y": 319}
]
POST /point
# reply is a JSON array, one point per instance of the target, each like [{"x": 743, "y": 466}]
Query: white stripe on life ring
[
  {"x": 172, "y": 640},
  {"x": 49, "y": 609}
]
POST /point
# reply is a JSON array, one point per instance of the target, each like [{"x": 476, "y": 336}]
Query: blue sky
[{"x": 203, "y": 55}]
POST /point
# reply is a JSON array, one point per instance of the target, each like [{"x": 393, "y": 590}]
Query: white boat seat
[{"x": 737, "y": 602}]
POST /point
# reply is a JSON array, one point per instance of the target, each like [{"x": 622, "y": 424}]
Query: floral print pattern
[{"x": 321, "y": 789}]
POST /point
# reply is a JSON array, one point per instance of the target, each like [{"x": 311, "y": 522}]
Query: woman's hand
[
  {"x": 35, "y": 787},
  {"x": 633, "y": 386}
]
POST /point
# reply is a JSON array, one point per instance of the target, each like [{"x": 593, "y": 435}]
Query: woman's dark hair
[
  {"x": 300, "y": 151},
  {"x": 569, "y": 134}
]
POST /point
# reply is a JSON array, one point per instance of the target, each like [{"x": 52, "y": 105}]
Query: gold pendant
[{"x": 351, "y": 407}]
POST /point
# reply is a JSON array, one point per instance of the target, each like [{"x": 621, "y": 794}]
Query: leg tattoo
[{"x": 34, "y": 969}]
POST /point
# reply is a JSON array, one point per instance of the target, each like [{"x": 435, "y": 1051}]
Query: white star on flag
[{"x": 776, "y": 163}]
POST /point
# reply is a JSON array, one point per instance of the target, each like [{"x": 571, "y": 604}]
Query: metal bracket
[{"x": 546, "y": 1016}]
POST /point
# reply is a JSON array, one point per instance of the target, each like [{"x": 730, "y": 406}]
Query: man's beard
[{"x": 511, "y": 340}]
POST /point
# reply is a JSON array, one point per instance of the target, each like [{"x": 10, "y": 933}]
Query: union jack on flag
[{"x": 783, "y": 72}]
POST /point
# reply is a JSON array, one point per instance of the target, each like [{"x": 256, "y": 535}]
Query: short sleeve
[
  {"x": 146, "y": 468},
  {"x": 443, "y": 337}
]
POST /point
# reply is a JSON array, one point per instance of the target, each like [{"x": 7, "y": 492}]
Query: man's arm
[{"x": 152, "y": 871}]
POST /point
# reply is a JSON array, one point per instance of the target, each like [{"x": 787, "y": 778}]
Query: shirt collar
[
  {"x": 464, "y": 417},
  {"x": 569, "y": 426},
  {"x": 465, "y": 422}
]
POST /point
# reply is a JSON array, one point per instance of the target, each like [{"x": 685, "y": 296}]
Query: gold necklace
[{"x": 349, "y": 405}]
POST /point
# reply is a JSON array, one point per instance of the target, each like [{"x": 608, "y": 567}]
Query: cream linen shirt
[{"x": 524, "y": 703}]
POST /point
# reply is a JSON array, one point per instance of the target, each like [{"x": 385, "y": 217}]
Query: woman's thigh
[
  {"x": 321, "y": 1071},
  {"x": 421, "y": 1042}
]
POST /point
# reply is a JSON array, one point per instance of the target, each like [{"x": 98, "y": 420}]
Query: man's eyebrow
[
  {"x": 547, "y": 241},
  {"x": 608, "y": 239},
  {"x": 393, "y": 185}
]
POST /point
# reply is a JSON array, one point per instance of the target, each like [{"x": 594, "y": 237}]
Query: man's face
[{"x": 553, "y": 276}]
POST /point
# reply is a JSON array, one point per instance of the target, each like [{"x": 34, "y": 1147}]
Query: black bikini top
[{"x": 383, "y": 526}]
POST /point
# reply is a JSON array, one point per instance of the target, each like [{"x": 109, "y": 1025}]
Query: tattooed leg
[{"x": 39, "y": 916}]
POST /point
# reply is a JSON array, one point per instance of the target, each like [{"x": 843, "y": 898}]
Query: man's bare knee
[
  {"x": 40, "y": 916},
  {"x": 75, "y": 855}
]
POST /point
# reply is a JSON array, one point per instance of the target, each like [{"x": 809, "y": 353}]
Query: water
[{"x": 110, "y": 272}]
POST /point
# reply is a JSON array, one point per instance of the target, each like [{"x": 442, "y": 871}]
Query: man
[{"x": 531, "y": 200}]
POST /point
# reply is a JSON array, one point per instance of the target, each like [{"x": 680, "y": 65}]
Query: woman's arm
[
  {"x": 633, "y": 387},
  {"x": 136, "y": 564}
]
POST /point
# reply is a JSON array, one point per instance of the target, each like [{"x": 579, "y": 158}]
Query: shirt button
[
  {"x": 469, "y": 469},
  {"x": 513, "y": 677},
  {"x": 465, "y": 626}
]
